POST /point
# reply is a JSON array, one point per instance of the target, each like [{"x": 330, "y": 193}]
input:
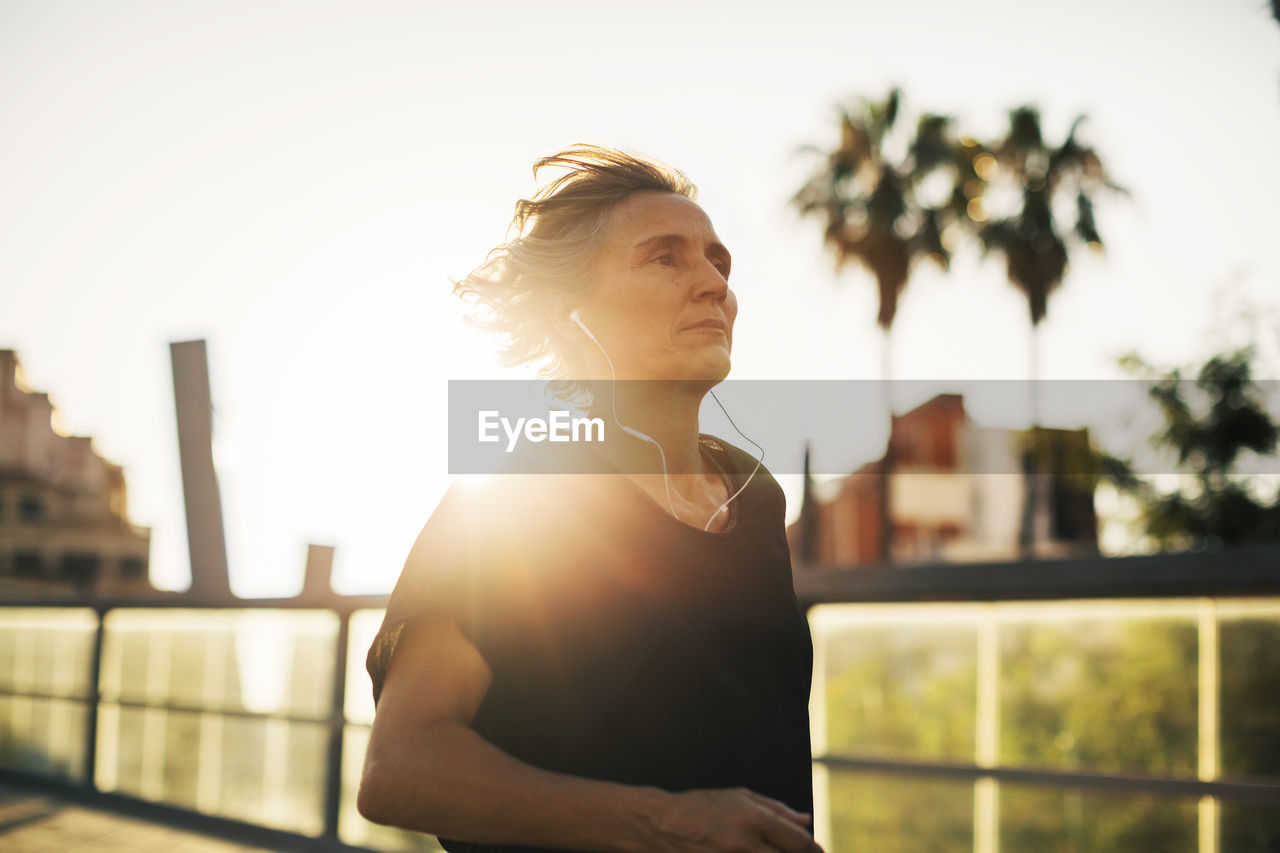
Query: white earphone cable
[
  {"x": 759, "y": 462},
  {"x": 613, "y": 401},
  {"x": 574, "y": 316}
]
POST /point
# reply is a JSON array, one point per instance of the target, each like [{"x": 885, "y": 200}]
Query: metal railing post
[
  {"x": 93, "y": 695},
  {"x": 337, "y": 725}
]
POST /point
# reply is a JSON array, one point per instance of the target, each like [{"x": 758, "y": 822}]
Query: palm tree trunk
[
  {"x": 1030, "y": 462},
  {"x": 886, "y": 505}
]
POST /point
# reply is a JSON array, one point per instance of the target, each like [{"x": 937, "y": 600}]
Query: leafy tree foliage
[
  {"x": 869, "y": 198},
  {"x": 1210, "y": 422},
  {"x": 1031, "y": 238}
]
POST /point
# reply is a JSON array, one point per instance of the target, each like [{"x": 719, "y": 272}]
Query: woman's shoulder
[{"x": 502, "y": 508}]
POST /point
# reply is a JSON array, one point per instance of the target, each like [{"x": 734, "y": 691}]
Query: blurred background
[{"x": 227, "y": 235}]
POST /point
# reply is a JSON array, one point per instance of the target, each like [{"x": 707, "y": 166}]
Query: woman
[{"x": 608, "y": 661}]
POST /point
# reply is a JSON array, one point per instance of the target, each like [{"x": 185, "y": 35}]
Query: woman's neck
[{"x": 666, "y": 412}]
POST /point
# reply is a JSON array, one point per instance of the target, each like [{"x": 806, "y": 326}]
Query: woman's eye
[{"x": 666, "y": 260}]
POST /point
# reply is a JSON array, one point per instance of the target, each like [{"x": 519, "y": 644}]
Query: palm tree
[
  {"x": 1034, "y": 247},
  {"x": 874, "y": 212}
]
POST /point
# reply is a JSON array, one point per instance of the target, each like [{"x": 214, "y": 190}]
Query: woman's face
[{"x": 660, "y": 302}]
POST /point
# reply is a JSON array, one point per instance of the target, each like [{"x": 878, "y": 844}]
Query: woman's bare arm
[{"x": 427, "y": 770}]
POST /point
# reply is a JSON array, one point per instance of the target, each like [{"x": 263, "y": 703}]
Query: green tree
[
  {"x": 1039, "y": 177},
  {"x": 1209, "y": 422},
  {"x": 868, "y": 194}
]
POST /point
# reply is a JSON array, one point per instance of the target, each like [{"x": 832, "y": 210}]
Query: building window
[
  {"x": 31, "y": 509},
  {"x": 79, "y": 568},
  {"x": 132, "y": 569},
  {"x": 27, "y": 564}
]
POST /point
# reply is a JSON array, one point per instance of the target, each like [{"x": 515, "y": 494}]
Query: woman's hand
[{"x": 732, "y": 820}]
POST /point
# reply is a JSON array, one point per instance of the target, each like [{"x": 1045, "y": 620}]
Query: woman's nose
[{"x": 710, "y": 282}]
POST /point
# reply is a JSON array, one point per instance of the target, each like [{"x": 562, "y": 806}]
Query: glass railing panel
[
  {"x": 259, "y": 661},
  {"x": 221, "y": 711},
  {"x": 263, "y": 770},
  {"x": 1100, "y": 686},
  {"x": 892, "y": 813},
  {"x": 1036, "y": 817},
  {"x": 364, "y": 624},
  {"x": 244, "y": 779},
  {"x": 46, "y": 664},
  {"x": 1248, "y": 829},
  {"x": 1249, "y": 689},
  {"x": 273, "y": 773},
  {"x": 895, "y": 681},
  {"x": 300, "y": 795},
  {"x": 47, "y": 650},
  {"x": 180, "y": 759},
  {"x": 44, "y": 736}
]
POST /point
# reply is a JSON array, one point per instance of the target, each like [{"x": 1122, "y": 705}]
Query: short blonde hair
[{"x": 548, "y": 262}]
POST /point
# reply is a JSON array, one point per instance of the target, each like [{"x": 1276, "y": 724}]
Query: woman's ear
[{"x": 562, "y": 308}]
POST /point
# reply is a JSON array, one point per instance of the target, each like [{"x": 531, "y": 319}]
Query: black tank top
[{"x": 624, "y": 644}]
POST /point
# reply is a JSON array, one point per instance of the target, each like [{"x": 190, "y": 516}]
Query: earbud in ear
[{"x": 577, "y": 318}]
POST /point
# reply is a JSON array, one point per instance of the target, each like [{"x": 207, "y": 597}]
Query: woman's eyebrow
[
  {"x": 659, "y": 241},
  {"x": 662, "y": 241}
]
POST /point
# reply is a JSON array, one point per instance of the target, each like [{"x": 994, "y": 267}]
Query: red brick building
[{"x": 957, "y": 493}]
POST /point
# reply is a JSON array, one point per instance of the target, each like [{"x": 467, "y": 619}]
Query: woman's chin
[
  {"x": 711, "y": 370},
  {"x": 706, "y": 366}
]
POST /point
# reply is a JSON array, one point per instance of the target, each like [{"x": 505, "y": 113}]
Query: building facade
[
  {"x": 957, "y": 493},
  {"x": 64, "y": 522}
]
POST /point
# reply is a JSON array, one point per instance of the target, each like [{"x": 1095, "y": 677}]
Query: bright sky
[{"x": 296, "y": 182}]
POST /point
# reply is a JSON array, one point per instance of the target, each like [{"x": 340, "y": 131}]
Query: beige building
[{"x": 64, "y": 522}]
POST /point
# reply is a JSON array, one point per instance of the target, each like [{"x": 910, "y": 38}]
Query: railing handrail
[
  {"x": 1242, "y": 791},
  {"x": 1237, "y": 572}
]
